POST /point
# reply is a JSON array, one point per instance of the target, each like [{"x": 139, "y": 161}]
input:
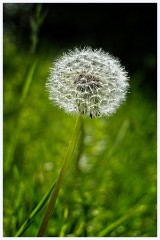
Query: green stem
[
  {"x": 138, "y": 208},
  {"x": 41, "y": 205},
  {"x": 29, "y": 78},
  {"x": 65, "y": 165}
]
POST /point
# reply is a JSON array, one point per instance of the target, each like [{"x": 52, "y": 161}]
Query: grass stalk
[
  {"x": 17, "y": 130},
  {"x": 41, "y": 205},
  {"x": 67, "y": 158},
  {"x": 137, "y": 209}
]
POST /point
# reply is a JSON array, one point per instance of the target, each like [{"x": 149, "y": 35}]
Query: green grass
[{"x": 110, "y": 188}]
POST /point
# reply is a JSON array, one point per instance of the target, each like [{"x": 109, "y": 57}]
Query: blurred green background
[{"x": 110, "y": 189}]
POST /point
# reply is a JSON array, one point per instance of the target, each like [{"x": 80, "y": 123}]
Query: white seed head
[{"x": 89, "y": 82}]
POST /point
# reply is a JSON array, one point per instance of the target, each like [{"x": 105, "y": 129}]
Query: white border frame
[{"x": 1, "y": 110}]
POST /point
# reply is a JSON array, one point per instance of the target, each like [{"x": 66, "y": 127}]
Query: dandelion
[{"x": 88, "y": 82}]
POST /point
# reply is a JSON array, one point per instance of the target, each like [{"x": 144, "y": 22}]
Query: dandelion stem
[{"x": 51, "y": 205}]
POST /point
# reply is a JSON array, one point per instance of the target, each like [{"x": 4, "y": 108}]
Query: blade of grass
[
  {"x": 16, "y": 133},
  {"x": 138, "y": 208},
  {"x": 35, "y": 23},
  {"x": 28, "y": 81},
  {"x": 67, "y": 158},
  {"x": 38, "y": 20},
  {"x": 41, "y": 205}
]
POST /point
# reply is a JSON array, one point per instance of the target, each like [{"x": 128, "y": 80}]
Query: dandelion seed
[{"x": 88, "y": 82}]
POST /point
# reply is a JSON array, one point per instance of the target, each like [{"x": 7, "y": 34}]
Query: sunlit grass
[{"x": 110, "y": 189}]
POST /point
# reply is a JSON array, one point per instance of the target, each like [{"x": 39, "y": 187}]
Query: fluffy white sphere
[{"x": 88, "y": 82}]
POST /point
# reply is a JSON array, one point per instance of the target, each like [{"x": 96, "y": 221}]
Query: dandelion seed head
[{"x": 88, "y": 82}]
